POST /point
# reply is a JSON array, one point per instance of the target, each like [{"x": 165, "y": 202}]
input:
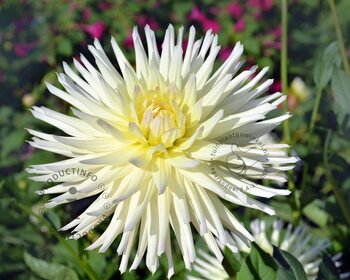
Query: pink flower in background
[
  {"x": 214, "y": 10},
  {"x": 95, "y": 30},
  {"x": 264, "y": 5},
  {"x": 143, "y": 20},
  {"x": 272, "y": 44},
  {"x": 196, "y": 14},
  {"x": 267, "y": 4},
  {"x": 22, "y": 49},
  {"x": 73, "y": 7},
  {"x": 250, "y": 63},
  {"x": 254, "y": 3},
  {"x": 240, "y": 25},
  {"x": 276, "y": 32},
  {"x": 276, "y": 86},
  {"x": 184, "y": 44},
  {"x": 77, "y": 57},
  {"x": 211, "y": 24},
  {"x": 128, "y": 42},
  {"x": 104, "y": 5},
  {"x": 1, "y": 76},
  {"x": 86, "y": 13},
  {"x": 235, "y": 10},
  {"x": 225, "y": 53},
  {"x": 207, "y": 23}
]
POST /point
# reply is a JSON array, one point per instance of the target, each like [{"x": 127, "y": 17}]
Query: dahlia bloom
[
  {"x": 140, "y": 142},
  {"x": 299, "y": 242}
]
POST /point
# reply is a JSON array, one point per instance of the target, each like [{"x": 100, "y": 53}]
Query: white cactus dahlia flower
[
  {"x": 140, "y": 142},
  {"x": 299, "y": 242}
]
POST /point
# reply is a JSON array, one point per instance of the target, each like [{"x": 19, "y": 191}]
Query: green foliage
[
  {"x": 49, "y": 271},
  {"x": 324, "y": 65},
  {"x": 258, "y": 265},
  {"x": 36, "y": 36},
  {"x": 231, "y": 261},
  {"x": 340, "y": 85},
  {"x": 289, "y": 267}
]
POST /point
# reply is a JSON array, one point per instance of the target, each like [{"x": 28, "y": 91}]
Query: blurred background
[{"x": 37, "y": 35}]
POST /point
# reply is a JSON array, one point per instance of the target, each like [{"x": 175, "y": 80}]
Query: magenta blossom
[
  {"x": 225, "y": 53},
  {"x": 235, "y": 10},
  {"x": 104, "y": 5},
  {"x": 128, "y": 42},
  {"x": 267, "y": 5},
  {"x": 22, "y": 49},
  {"x": 276, "y": 86},
  {"x": 214, "y": 10},
  {"x": 264, "y": 5},
  {"x": 86, "y": 13},
  {"x": 207, "y": 23},
  {"x": 73, "y": 7},
  {"x": 143, "y": 20},
  {"x": 196, "y": 14},
  {"x": 212, "y": 24},
  {"x": 276, "y": 32},
  {"x": 272, "y": 45},
  {"x": 240, "y": 25},
  {"x": 95, "y": 30},
  {"x": 184, "y": 44}
]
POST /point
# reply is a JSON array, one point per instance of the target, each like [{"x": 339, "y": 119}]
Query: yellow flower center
[{"x": 161, "y": 118}]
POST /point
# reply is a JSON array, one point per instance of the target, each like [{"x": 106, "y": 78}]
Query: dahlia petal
[
  {"x": 188, "y": 55},
  {"x": 163, "y": 208},
  {"x": 210, "y": 124},
  {"x": 160, "y": 176},
  {"x": 186, "y": 143},
  {"x": 153, "y": 54},
  {"x": 183, "y": 162}
]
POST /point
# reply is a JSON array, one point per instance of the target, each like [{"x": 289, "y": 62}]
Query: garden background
[{"x": 36, "y": 36}]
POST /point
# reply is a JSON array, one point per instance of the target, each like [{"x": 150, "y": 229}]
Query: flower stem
[
  {"x": 338, "y": 195},
  {"x": 284, "y": 80},
  {"x": 339, "y": 36},
  {"x": 284, "y": 61},
  {"x": 315, "y": 110}
]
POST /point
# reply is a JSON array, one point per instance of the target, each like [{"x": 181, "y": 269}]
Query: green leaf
[
  {"x": 282, "y": 208},
  {"x": 64, "y": 47},
  {"x": 53, "y": 219},
  {"x": 258, "y": 265},
  {"x": 231, "y": 264},
  {"x": 327, "y": 269},
  {"x": 97, "y": 262},
  {"x": 49, "y": 271},
  {"x": 289, "y": 267},
  {"x": 324, "y": 65},
  {"x": 314, "y": 211},
  {"x": 341, "y": 89}
]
